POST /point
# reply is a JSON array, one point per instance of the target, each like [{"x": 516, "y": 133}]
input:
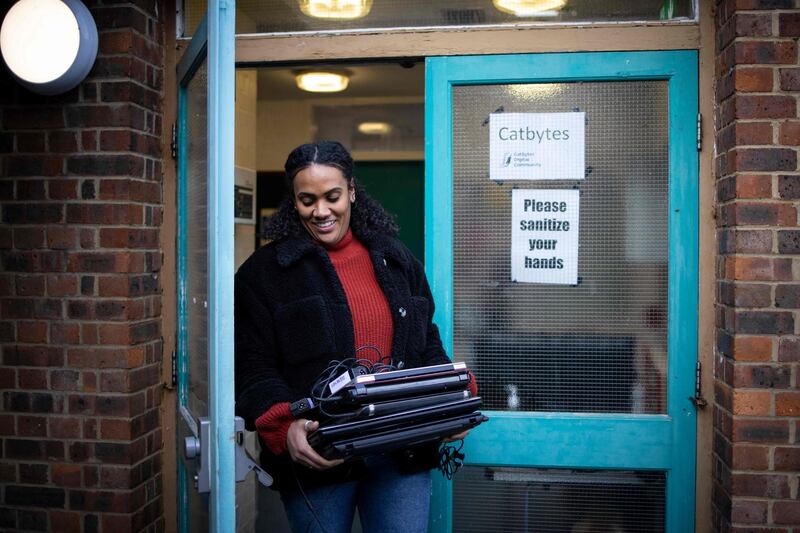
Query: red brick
[
  {"x": 33, "y": 332},
  {"x": 789, "y": 349},
  {"x": 89, "y": 140},
  {"x": 753, "y": 133},
  {"x": 749, "y": 512},
  {"x": 28, "y": 238},
  {"x": 789, "y": 24},
  {"x": 765, "y": 52},
  {"x": 30, "y": 142},
  {"x": 761, "y": 269},
  {"x": 30, "y": 165},
  {"x": 65, "y": 333},
  {"x": 760, "y": 485},
  {"x": 787, "y": 404},
  {"x": 30, "y": 190},
  {"x": 66, "y": 475},
  {"x": 31, "y": 426},
  {"x": 790, "y": 79},
  {"x": 62, "y": 141},
  {"x": 750, "y": 457},
  {"x": 33, "y": 117},
  {"x": 33, "y": 356},
  {"x": 62, "y": 237},
  {"x": 64, "y": 428},
  {"x": 114, "y": 333},
  {"x": 766, "y": 106},
  {"x": 754, "y": 185},
  {"x": 754, "y": 79},
  {"x": 115, "y": 429},
  {"x": 106, "y": 357},
  {"x": 787, "y": 459},
  {"x": 761, "y": 431},
  {"x": 765, "y": 159},
  {"x": 786, "y": 512},
  {"x": 65, "y": 521},
  {"x": 753, "y": 25},
  {"x": 752, "y": 403},
  {"x": 790, "y": 133},
  {"x": 62, "y": 285}
]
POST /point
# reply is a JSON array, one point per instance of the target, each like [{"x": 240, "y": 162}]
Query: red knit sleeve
[
  {"x": 473, "y": 384},
  {"x": 273, "y": 426}
]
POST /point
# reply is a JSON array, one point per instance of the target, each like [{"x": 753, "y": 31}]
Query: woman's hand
[
  {"x": 457, "y": 436},
  {"x": 301, "y": 451}
]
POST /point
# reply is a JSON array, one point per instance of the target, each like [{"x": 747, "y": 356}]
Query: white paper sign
[
  {"x": 536, "y": 146},
  {"x": 544, "y": 236}
]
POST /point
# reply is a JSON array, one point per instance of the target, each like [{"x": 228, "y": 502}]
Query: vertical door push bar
[{"x": 196, "y": 447}]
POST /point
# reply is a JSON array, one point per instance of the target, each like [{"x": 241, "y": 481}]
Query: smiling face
[{"x": 323, "y": 197}]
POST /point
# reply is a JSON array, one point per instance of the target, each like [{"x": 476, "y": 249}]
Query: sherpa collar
[{"x": 290, "y": 249}]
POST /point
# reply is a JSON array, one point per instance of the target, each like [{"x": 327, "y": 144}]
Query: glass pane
[
  {"x": 197, "y": 243},
  {"x": 598, "y": 346},
  {"x": 196, "y": 280},
  {"x": 557, "y": 501},
  {"x": 267, "y": 16}
]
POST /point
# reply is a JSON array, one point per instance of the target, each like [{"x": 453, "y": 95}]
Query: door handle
[{"x": 197, "y": 447}]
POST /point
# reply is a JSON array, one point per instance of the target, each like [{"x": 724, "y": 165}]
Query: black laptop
[
  {"x": 351, "y": 428},
  {"x": 401, "y": 437}
]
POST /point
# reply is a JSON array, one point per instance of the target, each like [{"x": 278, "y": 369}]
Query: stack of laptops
[{"x": 378, "y": 413}]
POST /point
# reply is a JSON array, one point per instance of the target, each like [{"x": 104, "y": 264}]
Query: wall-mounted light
[
  {"x": 49, "y": 45},
  {"x": 322, "y": 81},
  {"x": 375, "y": 128},
  {"x": 335, "y": 9},
  {"x": 530, "y": 8}
]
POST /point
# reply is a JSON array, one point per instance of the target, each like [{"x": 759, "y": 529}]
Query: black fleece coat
[{"x": 292, "y": 319}]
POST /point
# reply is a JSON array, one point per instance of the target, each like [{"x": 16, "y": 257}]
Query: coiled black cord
[{"x": 451, "y": 459}]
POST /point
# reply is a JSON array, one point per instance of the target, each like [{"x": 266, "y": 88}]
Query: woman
[{"x": 334, "y": 282}]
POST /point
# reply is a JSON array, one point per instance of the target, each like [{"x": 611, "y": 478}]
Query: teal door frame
[
  {"x": 214, "y": 42},
  {"x": 566, "y": 440}
]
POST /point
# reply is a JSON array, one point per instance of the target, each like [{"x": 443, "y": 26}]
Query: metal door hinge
[
  {"x": 699, "y": 132},
  {"x": 174, "y": 144},
  {"x": 698, "y": 400},
  {"x": 174, "y": 379}
]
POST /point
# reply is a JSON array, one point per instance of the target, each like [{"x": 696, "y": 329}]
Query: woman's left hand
[{"x": 457, "y": 436}]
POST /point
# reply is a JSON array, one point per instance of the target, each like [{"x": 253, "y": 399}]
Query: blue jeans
[{"x": 388, "y": 501}]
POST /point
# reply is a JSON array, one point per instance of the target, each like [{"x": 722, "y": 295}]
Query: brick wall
[
  {"x": 757, "y": 402},
  {"x": 80, "y": 304}
]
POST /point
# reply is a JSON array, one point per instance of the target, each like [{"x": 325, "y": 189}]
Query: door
[
  {"x": 561, "y": 245},
  {"x": 206, "y": 485}
]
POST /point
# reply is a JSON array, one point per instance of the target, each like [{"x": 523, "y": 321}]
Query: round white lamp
[{"x": 49, "y": 45}]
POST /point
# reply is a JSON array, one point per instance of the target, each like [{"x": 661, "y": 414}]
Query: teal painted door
[
  {"x": 587, "y": 380},
  {"x": 205, "y": 273}
]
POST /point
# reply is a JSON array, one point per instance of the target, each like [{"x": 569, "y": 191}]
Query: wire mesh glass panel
[
  {"x": 600, "y": 345},
  {"x": 197, "y": 243},
  {"x": 268, "y": 16},
  {"x": 528, "y": 500}
]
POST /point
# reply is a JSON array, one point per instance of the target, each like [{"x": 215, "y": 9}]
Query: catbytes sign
[
  {"x": 536, "y": 146},
  {"x": 544, "y": 236}
]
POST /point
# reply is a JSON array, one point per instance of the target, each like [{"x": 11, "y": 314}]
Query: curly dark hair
[{"x": 367, "y": 216}]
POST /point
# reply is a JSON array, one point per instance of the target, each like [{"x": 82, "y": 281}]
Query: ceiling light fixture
[
  {"x": 335, "y": 9},
  {"x": 322, "y": 81},
  {"x": 530, "y": 8},
  {"x": 375, "y": 128},
  {"x": 49, "y": 45}
]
